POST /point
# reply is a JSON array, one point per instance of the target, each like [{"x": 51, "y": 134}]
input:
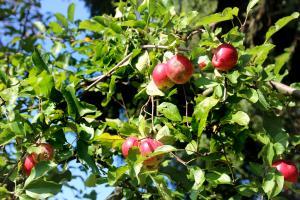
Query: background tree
[{"x": 221, "y": 131}]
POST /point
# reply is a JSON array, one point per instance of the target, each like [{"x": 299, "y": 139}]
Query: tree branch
[
  {"x": 285, "y": 89},
  {"x": 152, "y": 46},
  {"x": 110, "y": 72},
  {"x": 280, "y": 87}
]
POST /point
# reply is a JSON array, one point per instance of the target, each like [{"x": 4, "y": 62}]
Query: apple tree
[{"x": 187, "y": 109}]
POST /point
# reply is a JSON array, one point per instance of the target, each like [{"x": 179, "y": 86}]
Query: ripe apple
[
  {"x": 288, "y": 170},
  {"x": 179, "y": 69},
  {"x": 29, "y": 163},
  {"x": 160, "y": 77},
  {"x": 225, "y": 57},
  {"x": 128, "y": 144},
  {"x": 148, "y": 146},
  {"x": 46, "y": 151}
]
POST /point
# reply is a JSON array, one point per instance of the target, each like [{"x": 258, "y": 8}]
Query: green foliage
[{"x": 218, "y": 130}]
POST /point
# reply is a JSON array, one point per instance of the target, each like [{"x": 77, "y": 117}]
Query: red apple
[
  {"x": 203, "y": 61},
  {"x": 148, "y": 146},
  {"x": 160, "y": 77},
  {"x": 46, "y": 151},
  {"x": 225, "y": 57},
  {"x": 29, "y": 163},
  {"x": 128, "y": 144},
  {"x": 179, "y": 69},
  {"x": 288, "y": 170}
]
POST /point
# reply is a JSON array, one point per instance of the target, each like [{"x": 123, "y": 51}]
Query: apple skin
[
  {"x": 46, "y": 151},
  {"x": 29, "y": 163},
  {"x": 288, "y": 170},
  {"x": 160, "y": 77},
  {"x": 147, "y": 146},
  {"x": 179, "y": 69},
  {"x": 225, "y": 57},
  {"x": 128, "y": 144}
]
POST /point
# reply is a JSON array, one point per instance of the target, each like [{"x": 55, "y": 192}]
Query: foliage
[{"x": 221, "y": 131}]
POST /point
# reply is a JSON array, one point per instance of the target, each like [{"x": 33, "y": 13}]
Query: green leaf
[
  {"x": 62, "y": 19},
  {"x": 114, "y": 175},
  {"x": 227, "y": 14},
  {"x": 267, "y": 153},
  {"x": 91, "y": 25},
  {"x": 76, "y": 108},
  {"x": 262, "y": 100},
  {"x": 4, "y": 193},
  {"x": 170, "y": 111},
  {"x": 91, "y": 181},
  {"x": 109, "y": 141},
  {"x": 191, "y": 148},
  {"x": 281, "y": 60},
  {"x": 273, "y": 184},
  {"x": 6, "y": 136},
  {"x": 162, "y": 150},
  {"x": 201, "y": 112},
  {"x": 41, "y": 189},
  {"x": 56, "y": 28},
  {"x": 82, "y": 149},
  {"x": 152, "y": 89},
  {"x": 280, "y": 24},
  {"x": 199, "y": 177},
  {"x": 240, "y": 118},
  {"x": 162, "y": 188},
  {"x": 39, "y": 171},
  {"x": 249, "y": 94},
  {"x": 111, "y": 91},
  {"x": 218, "y": 178},
  {"x": 247, "y": 190},
  {"x": 39, "y": 61},
  {"x": 143, "y": 62},
  {"x": 40, "y": 26},
  {"x": 260, "y": 53},
  {"x": 71, "y": 10},
  {"x": 42, "y": 83},
  {"x": 251, "y": 4},
  {"x": 164, "y": 135}
]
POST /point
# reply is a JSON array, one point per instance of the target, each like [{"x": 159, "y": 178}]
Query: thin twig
[
  {"x": 152, "y": 113},
  {"x": 124, "y": 106},
  {"x": 152, "y": 46},
  {"x": 179, "y": 159},
  {"x": 191, "y": 34},
  {"x": 110, "y": 72},
  {"x": 186, "y": 107},
  {"x": 144, "y": 106},
  {"x": 227, "y": 162}
]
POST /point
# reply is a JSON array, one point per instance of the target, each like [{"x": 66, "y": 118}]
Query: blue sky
[{"x": 81, "y": 12}]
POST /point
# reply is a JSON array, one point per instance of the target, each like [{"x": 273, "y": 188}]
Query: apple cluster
[
  {"x": 45, "y": 152},
  {"x": 146, "y": 146},
  {"x": 179, "y": 69}
]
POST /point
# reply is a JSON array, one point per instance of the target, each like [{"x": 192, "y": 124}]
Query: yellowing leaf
[{"x": 110, "y": 141}]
